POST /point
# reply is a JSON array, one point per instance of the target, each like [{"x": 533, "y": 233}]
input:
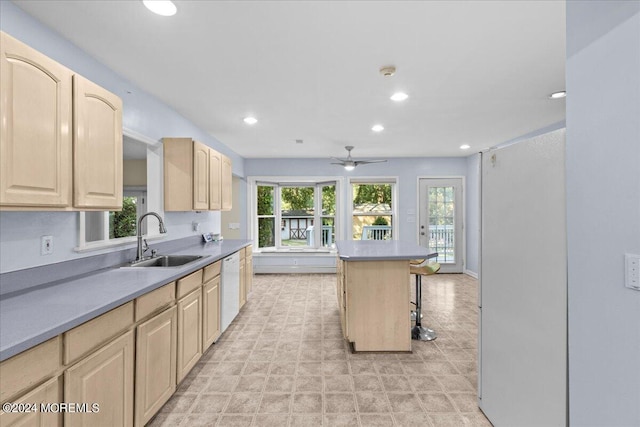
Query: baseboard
[
  {"x": 471, "y": 273},
  {"x": 292, "y": 269}
]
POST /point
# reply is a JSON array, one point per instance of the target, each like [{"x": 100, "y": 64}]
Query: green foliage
[
  {"x": 329, "y": 200},
  {"x": 265, "y": 200},
  {"x": 265, "y": 225},
  {"x": 372, "y": 193},
  {"x": 380, "y": 221},
  {"x": 123, "y": 223},
  {"x": 297, "y": 198}
]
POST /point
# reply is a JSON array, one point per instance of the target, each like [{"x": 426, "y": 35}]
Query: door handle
[{"x": 422, "y": 233}]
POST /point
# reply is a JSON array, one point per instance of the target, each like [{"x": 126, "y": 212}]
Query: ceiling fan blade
[
  {"x": 340, "y": 164},
  {"x": 365, "y": 162}
]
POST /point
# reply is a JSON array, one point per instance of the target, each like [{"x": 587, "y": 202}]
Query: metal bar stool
[{"x": 421, "y": 268}]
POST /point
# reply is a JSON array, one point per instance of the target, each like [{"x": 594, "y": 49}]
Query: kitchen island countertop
[{"x": 377, "y": 250}]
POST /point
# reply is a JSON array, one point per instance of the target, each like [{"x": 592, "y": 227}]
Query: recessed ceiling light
[
  {"x": 161, "y": 7},
  {"x": 250, "y": 120},
  {"x": 465, "y": 146},
  {"x": 377, "y": 128},
  {"x": 399, "y": 96},
  {"x": 558, "y": 95}
]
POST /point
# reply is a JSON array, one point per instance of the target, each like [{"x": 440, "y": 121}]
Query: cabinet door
[
  {"x": 155, "y": 364},
  {"x": 49, "y": 392},
  {"x": 106, "y": 378},
  {"x": 97, "y": 146},
  {"x": 243, "y": 282},
  {"x": 35, "y": 128},
  {"x": 226, "y": 180},
  {"x": 248, "y": 274},
  {"x": 178, "y": 174},
  {"x": 211, "y": 315},
  {"x": 189, "y": 332},
  {"x": 200, "y": 176},
  {"x": 215, "y": 176}
]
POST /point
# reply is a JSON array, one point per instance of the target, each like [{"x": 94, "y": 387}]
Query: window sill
[
  {"x": 106, "y": 244},
  {"x": 283, "y": 252}
]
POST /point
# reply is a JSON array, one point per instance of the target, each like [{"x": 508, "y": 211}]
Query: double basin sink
[{"x": 167, "y": 261}]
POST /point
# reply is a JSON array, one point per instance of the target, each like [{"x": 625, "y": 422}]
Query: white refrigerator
[{"x": 523, "y": 284}]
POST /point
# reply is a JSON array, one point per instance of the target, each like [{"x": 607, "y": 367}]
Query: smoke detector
[{"x": 388, "y": 71}]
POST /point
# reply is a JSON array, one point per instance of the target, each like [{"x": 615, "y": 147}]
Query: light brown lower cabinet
[
  {"x": 248, "y": 273},
  {"x": 243, "y": 283},
  {"x": 211, "y": 312},
  {"x": 48, "y": 393},
  {"x": 156, "y": 341},
  {"x": 189, "y": 332},
  {"x": 106, "y": 378}
]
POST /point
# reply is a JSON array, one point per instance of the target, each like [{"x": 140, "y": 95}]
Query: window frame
[
  {"x": 376, "y": 180},
  {"x": 293, "y": 181}
]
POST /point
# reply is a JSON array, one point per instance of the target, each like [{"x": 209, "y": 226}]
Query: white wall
[
  {"x": 603, "y": 210},
  {"x": 142, "y": 113}
]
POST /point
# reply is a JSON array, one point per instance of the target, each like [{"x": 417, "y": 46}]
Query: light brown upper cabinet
[
  {"x": 97, "y": 146},
  {"x": 226, "y": 183},
  {"x": 195, "y": 176},
  {"x": 35, "y": 121},
  {"x": 60, "y": 136},
  {"x": 215, "y": 183}
]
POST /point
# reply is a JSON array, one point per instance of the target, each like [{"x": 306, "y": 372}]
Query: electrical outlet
[
  {"x": 295, "y": 261},
  {"x": 632, "y": 271},
  {"x": 46, "y": 245}
]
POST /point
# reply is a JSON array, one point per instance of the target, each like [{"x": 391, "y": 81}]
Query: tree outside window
[
  {"x": 372, "y": 217},
  {"x": 297, "y": 209}
]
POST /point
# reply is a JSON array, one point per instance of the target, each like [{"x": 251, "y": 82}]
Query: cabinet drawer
[
  {"x": 212, "y": 270},
  {"x": 151, "y": 302},
  {"x": 189, "y": 283},
  {"x": 49, "y": 392},
  {"x": 30, "y": 367},
  {"x": 90, "y": 335}
]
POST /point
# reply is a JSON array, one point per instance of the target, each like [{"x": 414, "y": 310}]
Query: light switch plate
[{"x": 632, "y": 271}]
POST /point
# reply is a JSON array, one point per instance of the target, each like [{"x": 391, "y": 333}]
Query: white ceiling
[{"x": 477, "y": 72}]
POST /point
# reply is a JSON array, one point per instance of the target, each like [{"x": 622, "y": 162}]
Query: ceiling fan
[{"x": 350, "y": 164}]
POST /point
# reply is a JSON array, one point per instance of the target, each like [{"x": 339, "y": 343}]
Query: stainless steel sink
[{"x": 167, "y": 261}]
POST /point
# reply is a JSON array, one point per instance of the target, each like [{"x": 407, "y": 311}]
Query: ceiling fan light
[
  {"x": 250, "y": 120},
  {"x": 377, "y": 128},
  {"x": 161, "y": 7},
  {"x": 349, "y": 167},
  {"x": 399, "y": 96}
]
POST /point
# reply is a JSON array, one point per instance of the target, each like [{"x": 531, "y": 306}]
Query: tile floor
[{"x": 283, "y": 362}]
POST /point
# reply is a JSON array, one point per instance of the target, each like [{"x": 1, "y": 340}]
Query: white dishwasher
[{"x": 230, "y": 290}]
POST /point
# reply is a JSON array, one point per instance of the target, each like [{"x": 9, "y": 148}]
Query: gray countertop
[
  {"x": 379, "y": 250},
  {"x": 30, "y": 318}
]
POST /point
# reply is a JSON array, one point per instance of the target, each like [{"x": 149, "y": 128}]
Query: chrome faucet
[{"x": 163, "y": 230}]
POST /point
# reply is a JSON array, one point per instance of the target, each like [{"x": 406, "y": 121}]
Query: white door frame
[{"x": 463, "y": 238}]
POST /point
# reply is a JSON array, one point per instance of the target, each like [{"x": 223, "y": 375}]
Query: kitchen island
[{"x": 373, "y": 290}]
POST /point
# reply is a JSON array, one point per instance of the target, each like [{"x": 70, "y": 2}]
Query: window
[
  {"x": 100, "y": 226},
  {"x": 373, "y": 209},
  {"x": 304, "y": 212}
]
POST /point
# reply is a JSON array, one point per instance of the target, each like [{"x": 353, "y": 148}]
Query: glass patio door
[{"x": 440, "y": 221}]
